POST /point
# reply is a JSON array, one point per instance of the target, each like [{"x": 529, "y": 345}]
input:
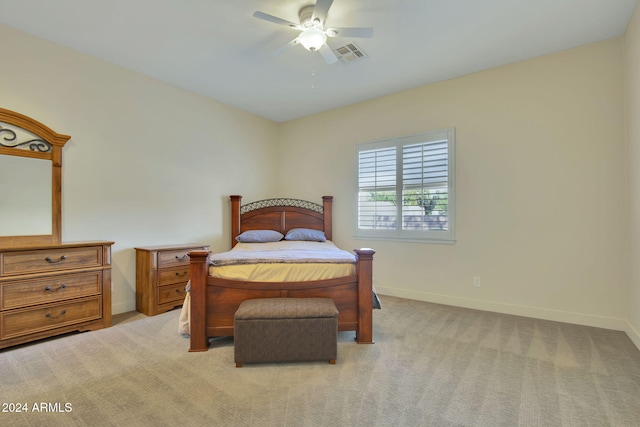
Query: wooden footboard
[{"x": 214, "y": 301}]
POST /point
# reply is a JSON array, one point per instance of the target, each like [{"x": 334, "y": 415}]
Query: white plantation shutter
[
  {"x": 376, "y": 188},
  {"x": 425, "y": 173},
  {"x": 405, "y": 187}
]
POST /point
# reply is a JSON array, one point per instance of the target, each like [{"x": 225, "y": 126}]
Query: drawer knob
[
  {"x": 181, "y": 274},
  {"x": 50, "y": 316},
  {"x": 182, "y": 258},
  {"x": 52, "y": 261},
  {"x": 50, "y": 289}
]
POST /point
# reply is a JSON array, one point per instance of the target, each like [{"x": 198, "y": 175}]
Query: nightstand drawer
[
  {"x": 27, "y": 321},
  {"x": 174, "y": 258},
  {"x": 173, "y": 275},
  {"x": 45, "y": 260},
  {"x": 171, "y": 293},
  {"x": 49, "y": 289}
]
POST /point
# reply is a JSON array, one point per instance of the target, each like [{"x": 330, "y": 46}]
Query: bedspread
[
  {"x": 299, "y": 252},
  {"x": 284, "y": 261}
]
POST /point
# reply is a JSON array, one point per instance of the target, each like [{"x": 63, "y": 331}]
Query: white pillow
[
  {"x": 259, "y": 236},
  {"x": 307, "y": 234}
]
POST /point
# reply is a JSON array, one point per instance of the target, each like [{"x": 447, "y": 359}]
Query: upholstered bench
[{"x": 285, "y": 330}]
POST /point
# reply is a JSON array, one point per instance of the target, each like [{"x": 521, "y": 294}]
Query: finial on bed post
[
  {"x": 235, "y": 218},
  {"x": 327, "y": 206}
]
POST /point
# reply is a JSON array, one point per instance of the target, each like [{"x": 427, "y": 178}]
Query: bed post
[
  {"x": 198, "y": 312},
  {"x": 327, "y": 206},
  {"x": 235, "y": 218},
  {"x": 364, "y": 270}
]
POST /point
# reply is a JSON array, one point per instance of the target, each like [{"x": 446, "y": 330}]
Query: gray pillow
[
  {"x": 259, "y": 236},
  {"x": 306, "y": 234}
]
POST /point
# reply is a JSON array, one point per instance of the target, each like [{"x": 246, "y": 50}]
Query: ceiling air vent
[{"x": 350, "y": 53}]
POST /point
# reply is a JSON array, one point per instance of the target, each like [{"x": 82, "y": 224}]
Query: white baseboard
[
  {"x": 518, "y": 310},
  {"x": 123, "y": 307},
  {"x": 633, "y": 334}
]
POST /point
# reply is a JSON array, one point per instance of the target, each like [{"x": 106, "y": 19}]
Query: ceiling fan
[{"x": 313, "y": 34}]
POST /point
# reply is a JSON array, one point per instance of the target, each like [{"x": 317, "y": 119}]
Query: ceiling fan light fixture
[{"x": 312, "y": 39}]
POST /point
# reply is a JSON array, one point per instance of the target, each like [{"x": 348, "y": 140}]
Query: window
[{"x": 406, "y": 188}]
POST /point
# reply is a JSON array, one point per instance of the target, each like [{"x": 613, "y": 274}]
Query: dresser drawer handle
[
  {"x": 55, "y": 317},
  {"x": 182, "y": 258},
  {"x": 50, "y": 289},
  {"x": 179, "y": 274},
  {"x": 51, "y": 261}
]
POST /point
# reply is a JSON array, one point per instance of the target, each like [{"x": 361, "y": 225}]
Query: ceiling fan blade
[
  {"x": 327, "y": 54},
  {"x": 275, "y": 20},
  {"x": 321, "y": 10},
  {"x": 286, "y": 47},
  {"x": 362, "y": 32}
]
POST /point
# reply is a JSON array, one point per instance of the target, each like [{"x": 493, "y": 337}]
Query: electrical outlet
[{"x": 476, "y": 282}]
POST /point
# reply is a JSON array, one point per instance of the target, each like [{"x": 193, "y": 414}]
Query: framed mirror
[{"x": 31, "y": 181}]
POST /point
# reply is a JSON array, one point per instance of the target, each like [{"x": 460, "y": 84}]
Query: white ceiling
[{"x": 218, "y": 49}]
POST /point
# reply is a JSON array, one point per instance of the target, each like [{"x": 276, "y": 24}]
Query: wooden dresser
[
  {"x": 52, "y": 289},
  {"x": 162, "y": 272}
]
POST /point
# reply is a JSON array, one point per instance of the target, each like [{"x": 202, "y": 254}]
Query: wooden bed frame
[{"x": 214, "y": 301}]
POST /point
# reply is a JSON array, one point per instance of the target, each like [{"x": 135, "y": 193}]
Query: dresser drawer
[
  {"x": 171, "y": 293},
  {"x": 21, "y": 293},
  {"x": 174, "y": 258},
  {"x": 20, "y": 322},
  {"x": 45, "y": 260},
  {"x": 173, "y": 275}
]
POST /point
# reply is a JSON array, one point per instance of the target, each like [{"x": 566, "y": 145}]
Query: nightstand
[{"x": 162, "y": 272}]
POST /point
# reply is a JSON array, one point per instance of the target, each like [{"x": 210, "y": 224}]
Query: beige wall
[
  {"x": 541, "y": 177},
  {"x": 541, "y": 214},
  {"x": 148, "y": 163},
  {"x": 632, "y": 56}
]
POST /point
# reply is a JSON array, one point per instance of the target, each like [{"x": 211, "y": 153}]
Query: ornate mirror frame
[{"x": 41, "y": 143}]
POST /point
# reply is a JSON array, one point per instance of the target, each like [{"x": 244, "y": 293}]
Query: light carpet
[{"x": 431, "y": 365}]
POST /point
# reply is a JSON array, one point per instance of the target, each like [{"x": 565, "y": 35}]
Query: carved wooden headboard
[{"x": 280, "y": 214}]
